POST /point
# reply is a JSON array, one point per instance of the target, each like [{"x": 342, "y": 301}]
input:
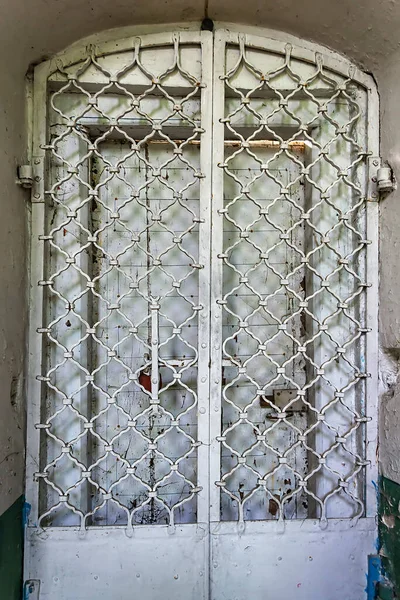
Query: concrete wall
[
  {"x": 13, "y": 311},
  {"x": 389, "y": 87},
  {"x": 12, "y": 288},
  {"x": 368, "y": 32},
  {"x": 388, "y": 78}
]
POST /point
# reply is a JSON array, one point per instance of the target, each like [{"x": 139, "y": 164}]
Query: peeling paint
[
  {"x": 389, "y": 534},
  {"x": 389, "y": 434},
  {"x": 373, "y": 576},
  {"x": 25, "y": 513}
]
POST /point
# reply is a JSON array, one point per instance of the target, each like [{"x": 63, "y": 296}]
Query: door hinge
[
  {"x": 385, "y": 180},
  {"x": 25, "y": 176},
  {"x": 381, "y": 179},
  {"x": 31, "y": 589}
]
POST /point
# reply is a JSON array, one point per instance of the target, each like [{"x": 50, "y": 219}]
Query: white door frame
[{"x": 62, "y": 557}]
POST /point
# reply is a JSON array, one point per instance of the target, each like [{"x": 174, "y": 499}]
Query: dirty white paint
[{"x": 286, "y": 564}]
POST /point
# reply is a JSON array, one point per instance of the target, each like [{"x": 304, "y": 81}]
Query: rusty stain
[
  {"x": 145, "y": 381},
  {"x": 273, "y": 507}
]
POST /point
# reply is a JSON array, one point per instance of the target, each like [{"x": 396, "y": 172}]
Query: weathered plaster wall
[
  {"x": 388, "y": 77},
  {"x": 12, "y": 329},
  {"x": 366, "y": 31},
  {"x": 12, "y": 288},
  {"x": 389, "y": 86}
]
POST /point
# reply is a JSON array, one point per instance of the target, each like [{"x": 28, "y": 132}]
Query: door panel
[
  {"x": 288, "y": 382},
  {"x": 105, "y": 563},
  {"x": 122, "y": 394},
  {"x": 123, "y": 422}
]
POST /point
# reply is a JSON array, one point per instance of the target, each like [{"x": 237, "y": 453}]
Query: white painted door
[{"x": 198, "y": 402}]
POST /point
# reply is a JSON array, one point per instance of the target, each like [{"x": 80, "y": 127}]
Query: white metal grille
[
  {"x": 129, "y": 393},
  {"x": 119, "y": 442},
  {"x": 293, "y": 287}
]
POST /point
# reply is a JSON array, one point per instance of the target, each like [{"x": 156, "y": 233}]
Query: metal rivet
[{"x": 202, "y": 410}]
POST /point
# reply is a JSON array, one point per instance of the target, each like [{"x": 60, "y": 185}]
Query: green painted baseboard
[
  {"x": 11, "y": 551},
  {"x": 389, "y": 532}
]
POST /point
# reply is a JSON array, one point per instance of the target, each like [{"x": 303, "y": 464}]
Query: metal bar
[
  {"x": 85, "y": 261},
  {"x": 216, "y": 275},
  {"x": 203, "y": 410},
  {"x": 273, "y": 144},
  {"x": 205, "y": 214},
  {"x": 276, "y": 42},
  {"x": 36, "y": 292},
  {"x": 148, "y": 39},
  {"x": 297, "y": 145},
  {"x": 372, "y": 305},
  {"x": 155, "y": 363}
]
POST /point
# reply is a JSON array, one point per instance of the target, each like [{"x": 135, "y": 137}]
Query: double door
[{"x": 198, "y": 401}]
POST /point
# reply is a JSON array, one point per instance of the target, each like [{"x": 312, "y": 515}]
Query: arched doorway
[{"x": 200, "y": 405}]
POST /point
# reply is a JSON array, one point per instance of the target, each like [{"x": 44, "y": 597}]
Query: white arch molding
[{"x": 204, "y": 556}]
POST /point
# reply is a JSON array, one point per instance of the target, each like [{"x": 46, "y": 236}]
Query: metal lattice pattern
[
  {"x": 119, "y": 430},
  {"x": 144, "y": 392},
  {"x": 293, "y": 297}
]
